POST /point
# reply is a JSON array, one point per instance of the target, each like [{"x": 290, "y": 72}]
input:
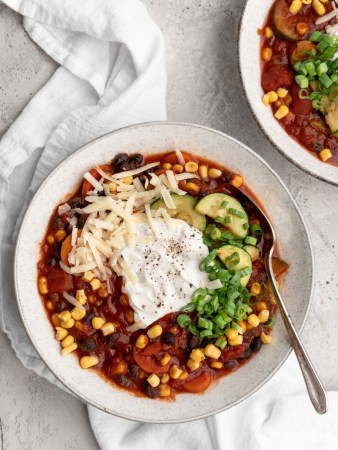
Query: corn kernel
[
  {"x": 190, "y": 186},
  {"x": 167, "y": 166},
  {"x": 50, "y": 305},
  {"x": 266, "y": 54},
  {"x": 278, "y": 103},
  {"x": 266, "y": 338},
  {"x": 216, "y": 365},
  {"x": 175, "y": 372},
  {"x": 142, "y": 341},
  {"x": 318, "y": 7},
  {"x": 281, "y": 112},
  {"x": 102, "y": 292},
  {"x": 60, "y": 235},
  {"x": 249, "y": 327},
  {"x": 214, "y": 173},
  {"x": 268, "y": 32},
  {"x": 123, "y": 300},
  {"x": 88, "y": 276},
  {"x": 108, "y": 328},
  {"x": 295, "y": 6},
  {"x": 165, "y": 390},
  {"x": 65, "y": 315},
  {"x": 212, "y": 351},
  {"x": 165, "y": 359},
  {"x": 67, "y": 341},
  {"x": 273, "y": 97},
  {"x": 253, "y": 320},
  {"x": 193, "y": 365},
  {"x": 231, "y": 333},
  {"x": 282, "y": 93},
  {"x": 88, "y": 361},
  {"x": 266, "y": 100},
  {"x": 95, "y": 284},
  {"x": 302, "y": 28},
  {"x": 127, "y": 180},
  {"x": 197, "y": 355},
  {"x": 263, "y": 316},
  {"x": 50, "y": 239},
  {"x": 67, "y": 323},
  {"x": 165, "y": 378},
  {"x": 112, "y": 187},
  {"x": 191, "y": 167},
  {"x": 237, "y": 341},
  {"x": 60, "y": 334},
  {"x": 43, "y": 285},
  {"x": 154, "y": 331},
  {"x": 129, "y": 316},
  {"x": 177, "y": 168},
  {"x": 203, "y": 171},
  {"x": 78, "y": 313},
  {"x": 306, "y": 2},
  {"x": 325, "y": 154},
  {"x": 98, "y": 322},
  {"x": 242, "y": 324},
  {"x": 236, "y": 180},
  {"x": 81, "y": 296},
  {"x": 261, "y": 306},
  {"x": 153, "y": 380},
  {"x": 55, "y": 320},
  {"x": 69, "y": 349},
  {"x": 183, "y": 375},
  {"x": 255, "y": 288}
]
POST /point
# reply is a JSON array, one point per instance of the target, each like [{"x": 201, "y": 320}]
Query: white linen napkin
[{"x": 112, "y": 74}]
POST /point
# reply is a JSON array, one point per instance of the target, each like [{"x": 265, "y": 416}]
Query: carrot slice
[
  {"x": 66, "y": 247},
  {"x": 198, "y": 384}
]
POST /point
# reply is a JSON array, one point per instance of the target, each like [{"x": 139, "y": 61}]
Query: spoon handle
[{"x": 313, "y": 384}]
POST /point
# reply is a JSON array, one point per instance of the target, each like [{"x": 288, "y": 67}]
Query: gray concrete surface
[{"x": 204, "y": 87}]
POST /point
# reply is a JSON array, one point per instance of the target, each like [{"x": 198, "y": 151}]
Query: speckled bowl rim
[
  {"x": 248, "y": 95},
  {"x": 296, "y": 208}
]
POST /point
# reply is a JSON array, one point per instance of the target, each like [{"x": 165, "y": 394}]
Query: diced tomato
[
  {"x": 276, "y": 76},
  {"x": 147, "y": 358},
  {"x": 59, "y": 281},
  {"x": 302, "y": 50},
  {"x": 232, "y": 353},
  {"x": 86, "y": 186},
  {"x": 199, "y": 383}
]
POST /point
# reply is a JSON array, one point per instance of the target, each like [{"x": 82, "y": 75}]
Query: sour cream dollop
[{"x": 166, "y": 271}]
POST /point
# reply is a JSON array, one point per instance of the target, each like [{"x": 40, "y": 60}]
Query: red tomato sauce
[
  {"x": 120, "y": 361},
  {"x": 303, "y": 123}
]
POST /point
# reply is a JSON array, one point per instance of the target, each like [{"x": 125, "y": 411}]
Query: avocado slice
[{"x": 330, "y": 110}]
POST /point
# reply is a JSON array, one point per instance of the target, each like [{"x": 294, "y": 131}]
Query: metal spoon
[{"x": 313, "y": 384}]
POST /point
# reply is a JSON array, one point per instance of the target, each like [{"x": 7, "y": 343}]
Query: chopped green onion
[
  {"x": 315, "y": 36},
  {"x": 322, "y": 46},
  {"x": 206, "y": 261},
  {"x": 190, "y": 307},
  {"x": 224, "y": 204},
  {"x": 245, "y": 225},
  {"x": 302, "y": 81},
  {"x": 193, "y": 329},
  {"x": 303, "y": 94},
  {"x": 236, "y": 327},
  {"x": 199, "y": 294},
  {"x": 228, "y": 219},
  {"x": 297, "y": 66},
  {"x": 256, "y": 229},
  {"x": 205, "y": 323},
  {"x": 221, "y": 343},
  {"x": 322, "y": 68},
  {"x": 310, "y": 67},
  {"x": 206, "y": 333},
  {"x": 183, "y": 320},
  {"x": 270, "y": 322},
  {"x": 219, "y": 219},
  {"x": 236, "y": 213},
  {"x": 219, "y": 321},
  {"x": 325, "y": 80},
  {"x": 215, "y": 234},
  {"x": 250, "y": 240},
  {"x": 232, "y": 260}
]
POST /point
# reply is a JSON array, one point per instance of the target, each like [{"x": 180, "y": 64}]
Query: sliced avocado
[
  {"x": 244, "y": 259},
  {"x": 211, "y": 205},
  {"x": 254, "y": 252},
  {"x": 184, "y": 210}
]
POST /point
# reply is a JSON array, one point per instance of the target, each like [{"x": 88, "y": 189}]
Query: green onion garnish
[
  {"x": 224, "y": 204},
  {"x": 236, "y": 213},
  {"x": 183, "y": 320},
  {"x": 256, "y": 229},
  {"x": 219, "y": 219},
  {"x": 215, "y": 234},
  {"x": 221, "y": 343},
  {"x": 250, "y": 240},
  {"x": 228, "y": 219}
]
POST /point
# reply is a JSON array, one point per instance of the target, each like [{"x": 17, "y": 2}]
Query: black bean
[
  {"x": 77, "y": 202},
  {"x": 61, "y": 305},
  {"x": 87, "y": 344},
  {"x": 57, "y": 223},
  {"x": 51, "y": 261},
  {"x": 88, "y": 318},
  {"x": 101, "y": 194},
  {"x": 122, "y": 380},
  {"x": 256, "y": 344},
  {"x": 226, "y": 177},
  {"x": 168, "y": 338},
  {"x": 120, "y": 159},
  {"x": 113, "y": 340},
  {"x": 134, "y": 372},
  {"x": 57, "y": 252},
  {"x": 194, "y": 342},
  {"x": 151, "y": 170},
  {"x": 150, "y": 391},
  {"x": 230, "y": 364},
  {"x": 247, "y": 354},
  {"x": 54, "y": 297},
  {"x": 135, "y": 160}
]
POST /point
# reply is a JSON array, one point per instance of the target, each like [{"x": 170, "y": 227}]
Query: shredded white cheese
[{"x": 89, "y": 177}]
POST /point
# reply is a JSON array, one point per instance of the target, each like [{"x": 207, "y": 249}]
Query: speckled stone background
[{"x": 204, "y": 87}]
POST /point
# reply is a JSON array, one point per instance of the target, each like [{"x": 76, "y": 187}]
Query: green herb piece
[
  {"x": 256, "y": 229},
  {"x": 221, "y": 343},
  {"x": 236, "y": 213},
  {"x": 183, "y": 320},
  {"x": 250, "y": 240},
  {"x": 224, "y": 204}
]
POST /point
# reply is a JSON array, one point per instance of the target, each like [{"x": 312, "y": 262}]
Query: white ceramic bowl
[
  {"x": 293, "y": 243},
  {"x": 253, "y": 18}
]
